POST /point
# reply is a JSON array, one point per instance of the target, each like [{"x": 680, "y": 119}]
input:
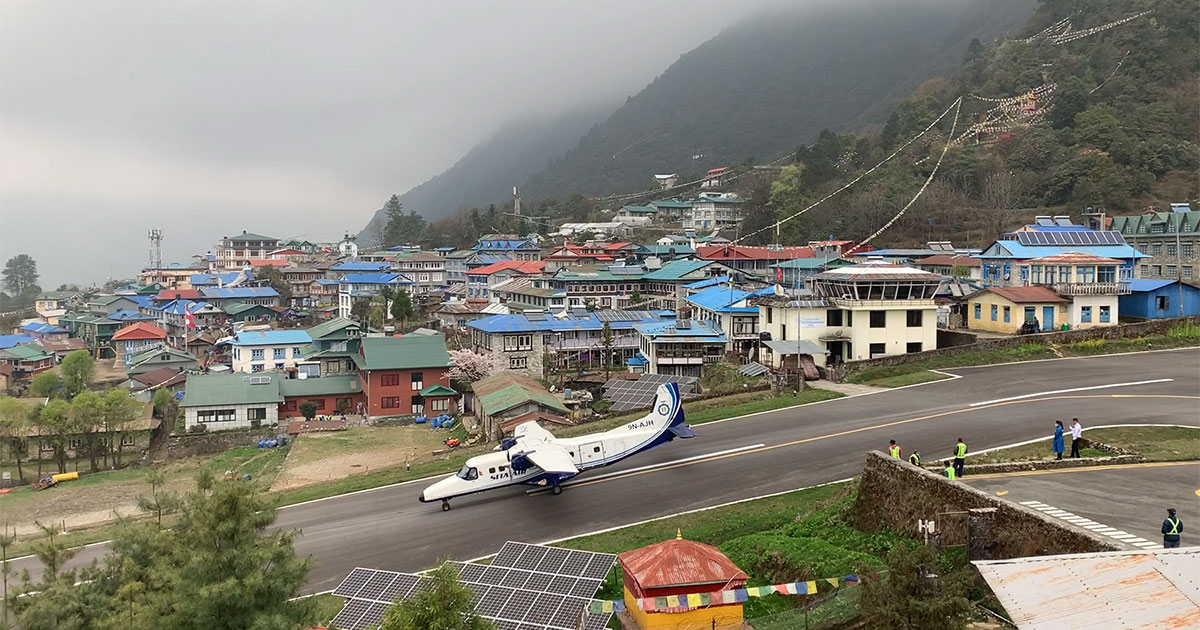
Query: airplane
[{"x": 533, "y": 456}]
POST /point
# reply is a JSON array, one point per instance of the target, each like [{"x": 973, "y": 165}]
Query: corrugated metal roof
[
  {"x": 233, "y": 293},
  {"x": 1013, "y": 249},
  {"x": 505, "y": 390},
  {"x": 405, "y": 353},
  {"x": 374, "y": 278},
  {"x": 8, "y": 341},
  {"x": 272, "y": 338},
  {"x": 1099, "y": 591},
  {"x": 359, "y": 265},
  {"x": 1142, "y": 285},
  {"x": 1027, "y": 295},
  {"x": 680, "y": 563}
]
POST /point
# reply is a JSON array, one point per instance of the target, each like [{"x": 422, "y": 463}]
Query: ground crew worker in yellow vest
[
  {"x": 1171, "y": 529},
  {"x": 948, "y": 471},
  {"x": 915, "y": 458},
  {"x": 893, "y": 450},
  {"x": 960, "y": 454}
]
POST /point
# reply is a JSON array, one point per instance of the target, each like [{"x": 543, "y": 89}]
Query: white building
[
  {"x": 348, "y": 248},
  {"x": 711, "y": 211},
  {"x": 859, "y": 312},
  {"x": 236, "y": 252},
  {"x": 262, "y": 350},
  {"x": 608, "y": 228}
]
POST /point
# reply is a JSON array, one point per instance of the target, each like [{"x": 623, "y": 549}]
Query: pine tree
[
  {"x": 402, "y": 306},
  {"x": 21, "y": 276},
  {"x": 917, "y": 593}
]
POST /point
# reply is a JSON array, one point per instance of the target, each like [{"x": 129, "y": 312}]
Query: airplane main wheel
[
  {"x": 556, "y": 490},
  {"x": 445, "y": 506}
]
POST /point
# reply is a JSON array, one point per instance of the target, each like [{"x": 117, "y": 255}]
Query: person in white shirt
[{"x": 1076, "y": 436}]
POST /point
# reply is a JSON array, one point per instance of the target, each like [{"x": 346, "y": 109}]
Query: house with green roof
[
  {"x": 1171, "y": 239},
  {"x": 27, "y": 359},
  {"x": 161, "y": 357},
  {"x": 333, "y": 348},
  {"x": 231, "y": 401},
  {"x": 505, "y": 400},
  {"x": 95, "y": 330},
  {"x": 242, "y": 312},
  {"x": 405, "y": 375}
]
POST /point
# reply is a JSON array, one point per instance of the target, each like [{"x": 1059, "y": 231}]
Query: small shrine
[{"x": 658, "y": 575}]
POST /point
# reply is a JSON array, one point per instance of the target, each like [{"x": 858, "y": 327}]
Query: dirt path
[{"x": 335, "y": 467}]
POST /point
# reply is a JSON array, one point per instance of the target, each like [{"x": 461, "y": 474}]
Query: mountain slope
[
  {"x": 487, "y": 173},
  {"x": 772, "y": 82}
]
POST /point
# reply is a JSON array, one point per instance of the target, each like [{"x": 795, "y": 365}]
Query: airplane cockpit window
[{"x": 469, "y": 473}]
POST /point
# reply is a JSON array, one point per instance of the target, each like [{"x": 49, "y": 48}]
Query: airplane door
[{"x": 591, "y": 452}]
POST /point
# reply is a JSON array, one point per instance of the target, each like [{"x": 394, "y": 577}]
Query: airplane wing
[
  {"x": 531, "y": 431},
  {"x": 552, "y": 459}
]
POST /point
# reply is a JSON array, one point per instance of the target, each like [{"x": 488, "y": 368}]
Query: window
[
  {"x": 279, "y": 353},
  {"x": 1189, "y": 250},
  {"x": 783, "y": 331},
  {"x": 1105, "y": 314},
  {"x": 468, "y": 473},
  {"x": 418, "y": 404},
  {"x": 296, "y": 354},
  {"x": 1145, "y": 270},
  {"x": 1085, "y": 274},
  {"x": 256, "y": 413},
  {"x": 389, "y": 402},
  {"x": 440, "y": 404},
  {"x": 1106, "y": 274},
  {"x": 280, "y": 366},
  {"x": 1156, "y": 270},
  {"x": 518, "y": 363},
  {"x": 1162, "y": 302},
  {"x": 75, "y": 444},
  {"x": 878, "y": 319},
  {"x": 256, "y": 367},
  {"x": 289, "y": 405},
  {"x": 878, "y": 349},
  {"x": 1156, "y": 249},
  {"x": 1170, "y": 271},
  {"x": 915, "y": 318},
  {"x": 418, "y": 381},
  {"x": 770, "y": 312},
  {"x": 1187, "y": 272},
  {"x": 319, "y": 402},
  {"x": 978, "y": 310},
  {"x": 913, "y": 346},
  {"x": 389, "y": 380},
  {"x": 256, "y": 354},
  {"x": 1007, "y": 314},
  {"x": 849, "y": 318},
  {"x": 128, "y": 439},
  {"x": 993, "y": 312},
  {"x": 216, "y": 415},
  {"x": 833, "y": 317},
  {"x": 1035, "y": 274},
  {"x": 1142, "y": 247},
  {"x": 1171, "y": 251},
  {"x": 1085, "y": 314},
  {"x": 1030, "y": 313}
]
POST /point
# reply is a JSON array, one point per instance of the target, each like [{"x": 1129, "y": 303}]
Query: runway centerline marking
[
  {"x": 884, "y": 425},
  {"x": 1073, "y": 389}
]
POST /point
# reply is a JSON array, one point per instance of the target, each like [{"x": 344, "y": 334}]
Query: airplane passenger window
[
  {"x": 596, "y": 450},
  {"x": 492, "y": 471}
]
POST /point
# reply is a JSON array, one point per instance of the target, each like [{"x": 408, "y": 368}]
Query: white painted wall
[{"x": 241, "y": 416}]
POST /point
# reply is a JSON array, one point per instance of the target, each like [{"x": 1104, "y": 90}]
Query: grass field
[
  {"x": 901, "y": 380},
  {"x": 1154, "y": 443}
]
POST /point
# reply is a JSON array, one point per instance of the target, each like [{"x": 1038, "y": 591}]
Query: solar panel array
[
  {"x": 628, "y": 395},
  {"x": 622, "y": 316},
  {"x": 1071, "y": 238},
  {"x": 754, "y": 369},
  {"x": 527, "y": 587}
]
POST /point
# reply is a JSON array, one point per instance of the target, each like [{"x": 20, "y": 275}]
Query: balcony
[
  {"x": 1072, "y": 289},
  {"x": 623, "y": 341}
]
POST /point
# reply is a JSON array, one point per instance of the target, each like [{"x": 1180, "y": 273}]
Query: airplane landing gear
[
  {"x": 445, "y": 505},
  {"x": 556, "y": 490}
]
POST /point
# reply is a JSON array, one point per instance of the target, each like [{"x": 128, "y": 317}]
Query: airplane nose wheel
[
  {"x": 445, "y": 505},
  {"x": 556, "y": 490}
]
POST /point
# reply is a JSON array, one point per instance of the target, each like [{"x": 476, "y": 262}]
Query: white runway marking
[
  {"x": 1073, "y": 389},
  {"x": 1092, "y": 526}
]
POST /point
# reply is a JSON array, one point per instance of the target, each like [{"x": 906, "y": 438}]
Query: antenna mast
[{"x": 156, "y": 236}]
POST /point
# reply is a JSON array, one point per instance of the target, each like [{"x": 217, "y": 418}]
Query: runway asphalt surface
[
  {"x": 388, "y": 528},
  {"x": 1130, "y": 499}
]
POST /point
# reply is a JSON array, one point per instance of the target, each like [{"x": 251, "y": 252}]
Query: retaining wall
[
  {"x": 895, "y": 494},
  {"x": 192, "y": 444},
  {"x": 1120, "y": 331}
]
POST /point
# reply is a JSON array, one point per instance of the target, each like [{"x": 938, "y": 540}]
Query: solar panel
[{"x": 546, "y": 588}]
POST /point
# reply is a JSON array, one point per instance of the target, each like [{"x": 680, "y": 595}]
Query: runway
[{"x": 754, "y": 455}]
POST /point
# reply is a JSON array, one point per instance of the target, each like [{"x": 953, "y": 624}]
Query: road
[
  {"x": 388, "y": 528},
  {"x": 1132, "y": 499}
]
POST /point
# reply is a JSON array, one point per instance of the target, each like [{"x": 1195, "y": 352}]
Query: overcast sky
[{"x": 290, "y": 118}]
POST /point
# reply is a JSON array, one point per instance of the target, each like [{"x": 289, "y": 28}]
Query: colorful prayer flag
[
  {"x": 693, "y": 600},
  {"x": 833, "y": 582},
  {"x": 619, "y": 606},
  {"x": 812, "y": 587},
  {"x": 851, "y": 580},
  {"x": 741, "y": 595},
  {"x": 682, "y": 601},
  {"x": 801, "y": 588},
  {"x": 729, "y": 597}
]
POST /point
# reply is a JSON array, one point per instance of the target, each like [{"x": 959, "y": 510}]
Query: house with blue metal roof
[
  {"x": 263, "y": 350},
  {"x": 265, "y": 296},
  {"x": 731, "y": 311},
  {"x": 1153, "y": 298},
  {"x": 8, "y": 341},
  {"x": 1003, "y": 260},
  {"x": 359, "y": 266},
  {"x": 353, "y": 286},
  {"x": 43, "y": 331},
  {"x": 202, "y": 280},
  {"x": 507, "y": 247},
  {"x": 680, "y": 348},
  {"x": 574, "y": 337}
]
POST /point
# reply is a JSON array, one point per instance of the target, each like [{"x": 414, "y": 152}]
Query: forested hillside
[
  {"x": 1109, "y": 120},
  {"x": 487, "y": 173},
  {"x": 767, "y": 84}
]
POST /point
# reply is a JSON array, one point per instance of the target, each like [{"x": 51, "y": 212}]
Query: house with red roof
[
  {"x": 135, "y": 339},
  {"x": 756, "y": 261},
  {"x": 593, "y": 253},
  {"x": 680, "y": 567},
  {"x": 481, "y": 280},
  {"x": 957, "y": 265}
]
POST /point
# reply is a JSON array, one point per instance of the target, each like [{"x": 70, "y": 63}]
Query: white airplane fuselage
[{"x": 495, "y": 470}]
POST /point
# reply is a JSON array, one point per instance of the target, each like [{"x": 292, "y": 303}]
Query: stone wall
[
  {"x": 952, "y": 338},
  {"x": 895, "y": 494},
  {"x": 190, "y": 445},
  {"x": 1121, "y": 331}
]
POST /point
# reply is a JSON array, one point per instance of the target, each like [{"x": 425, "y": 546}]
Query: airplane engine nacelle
[
  {"x": 520, "y": 463},
  {"x": 507, "y": 443}
]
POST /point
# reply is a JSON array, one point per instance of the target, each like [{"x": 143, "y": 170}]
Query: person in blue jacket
[
  {"x": 1171, "y": 529},
  {"x": 1058, "y": 438}
]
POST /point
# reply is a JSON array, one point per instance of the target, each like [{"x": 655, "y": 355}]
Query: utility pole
[{"x": 516, "y": 201}]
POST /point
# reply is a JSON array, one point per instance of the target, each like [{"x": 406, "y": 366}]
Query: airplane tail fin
[{"x": 668, "y": 405}]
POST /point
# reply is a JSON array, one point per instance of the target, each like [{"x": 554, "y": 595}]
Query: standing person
[
  {"x": 1171, "y": 529},
  {"x": 915, "y": 458},
  {"x": 1058, "y": 439},
  {"x": 893, "y": 450},
  {"x": 948, "y": 470},
  {"x": 960, "y": 456},
  {"x": 1076, "y": 436}
]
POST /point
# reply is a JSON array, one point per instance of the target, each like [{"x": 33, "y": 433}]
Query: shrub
[
  {"x": 777, "y": 557},
  {"x": 1186, "y": 330},
  {"x": 602, "y": 406},
  {"x": 255, "y": 424},
  {"x": 199, "y": 427}
]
